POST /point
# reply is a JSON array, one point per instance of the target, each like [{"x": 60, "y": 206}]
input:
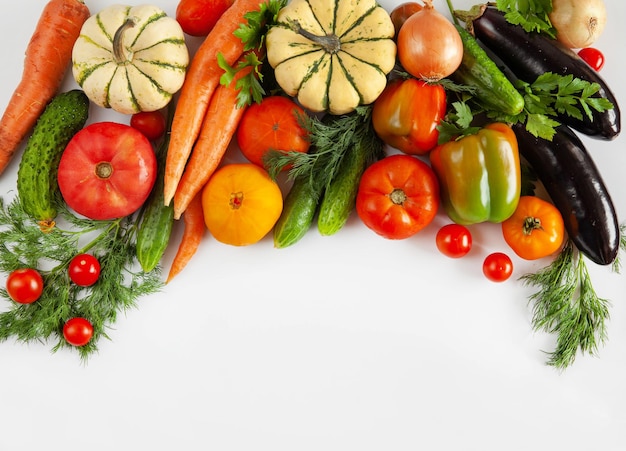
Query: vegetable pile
[{"x": 337, "y": 109}]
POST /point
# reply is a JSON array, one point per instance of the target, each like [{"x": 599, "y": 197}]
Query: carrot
[
  {"x": 201, "y": 81},
  {"x": 219, "y": 126},
  {"x": 193, "y": 219},
  {"x": 47, "y": 58}
]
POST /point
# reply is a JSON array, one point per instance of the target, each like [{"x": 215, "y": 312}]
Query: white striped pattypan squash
[
  {"x": 332, "y": 55},
  {"x": 130, "y": 58}
]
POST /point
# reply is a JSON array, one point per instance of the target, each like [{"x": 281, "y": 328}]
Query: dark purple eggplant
[
  {"x": 573, "y": 182},
  {"x": 529, "y": 55}
]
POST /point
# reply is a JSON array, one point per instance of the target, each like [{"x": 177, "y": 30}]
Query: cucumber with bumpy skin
[
  {"x": 37, "y": 185},
  {"x": 492, "y": 89},
  {"x": 156, "y": 220},
  {"x": 340, "y": 196},
  {"x": 299, "y": 210}
]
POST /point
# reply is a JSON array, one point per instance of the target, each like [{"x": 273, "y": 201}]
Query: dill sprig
[
  {"x": 567, "y": 305},
  {"x": 332, "y": 137},
  {"x": 120, "y": 285}
]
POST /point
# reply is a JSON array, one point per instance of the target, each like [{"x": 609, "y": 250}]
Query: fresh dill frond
[{"x": 120, "y": 285}]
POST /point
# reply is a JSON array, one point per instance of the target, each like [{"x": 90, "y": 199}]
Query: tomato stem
[
  {"x": 398, "y": 196},
  {"x": 104, "y": 170},
  {"x": 236, "y": 200},
  {"x": 530, "y": 225}
]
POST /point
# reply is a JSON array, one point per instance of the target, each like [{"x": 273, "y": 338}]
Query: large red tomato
[
  {"x": 398, "y": 196},
  {"x": 107, "y": 171},
  {"x": 272, "y": 124}
]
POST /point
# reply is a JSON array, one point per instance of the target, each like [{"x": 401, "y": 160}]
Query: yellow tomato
[{"x": 241, "y": 204}]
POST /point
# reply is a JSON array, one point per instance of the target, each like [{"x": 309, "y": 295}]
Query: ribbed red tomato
[
  {"x": 398, "y": 196},
  {"x": 107, "y": 171}
]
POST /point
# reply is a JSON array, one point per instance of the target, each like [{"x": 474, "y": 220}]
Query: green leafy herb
[
  {"x": 121, "y": 282},
  {"x": 333, "y": 137},
  {"x": 532, "y": 15},
  {"x": 252, "y": 34},
  {"x": 567, "y": 305},
  {"x": 547, "y": 97}
]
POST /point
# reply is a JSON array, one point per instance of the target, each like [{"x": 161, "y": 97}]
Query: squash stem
[
  {"x": 329, "y": 42},
  {"x": 119, "y": 55}
]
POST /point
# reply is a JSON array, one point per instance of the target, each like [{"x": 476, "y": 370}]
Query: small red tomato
[
  {"x": 398, "y": 196},
  {"x": 24, "y": 285},
  {"x": 497, "y": 267},
  {"x": 593, "y": 57},
  {"x": 84, "y": 270},
  {"x": 198, "y": 17},
  {"x": 78, "y": 331},
  {"x": 150, "y": 123},
  {"x": 454, "y": 240},
  {"x": 272, "y": 124}
]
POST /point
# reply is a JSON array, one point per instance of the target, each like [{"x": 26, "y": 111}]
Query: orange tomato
[
  {"x": 241, "y": 204},
  {"x": 535, "y": 230}
]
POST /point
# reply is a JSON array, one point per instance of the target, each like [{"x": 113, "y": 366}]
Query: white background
[{"x": 349, "y": 342}]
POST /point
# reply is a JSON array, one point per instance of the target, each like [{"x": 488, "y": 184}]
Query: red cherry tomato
[
  {"x": 593, "y": 57},
  {"x": 24, "y": 285},
  {"x": 198, "y": 17},
  {"x": 78, "y": 331},
  {"x": 107, "y": 171},
  {"x": 84, "y": 270},
  {"x": 150, "y": 123},
  {"x": 497, "y": 267},
  {"x": 454, "y": 240},
  {"x": 271, "y": 124}
]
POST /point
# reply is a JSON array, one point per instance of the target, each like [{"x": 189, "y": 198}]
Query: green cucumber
[
  {"x": 37, "y": 186},
  {"x": 492, "y": 89},
  {"x": 340, "y": 196},
  {"x": 156, "y": 219},
  {"x": 299, "y": 210}
]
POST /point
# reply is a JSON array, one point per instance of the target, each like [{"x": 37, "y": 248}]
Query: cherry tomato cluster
[{"x": 26, "y": 285}]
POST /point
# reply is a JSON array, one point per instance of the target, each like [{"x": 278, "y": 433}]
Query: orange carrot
[
  {"x": 219, "y": 126},
  {"x": 201, "y": 81},
  {"x": 47, "y": 58},
  {"x": 193, "y": 220}
]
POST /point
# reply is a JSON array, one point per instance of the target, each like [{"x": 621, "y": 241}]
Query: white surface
[{"x": 349, "y": 342}]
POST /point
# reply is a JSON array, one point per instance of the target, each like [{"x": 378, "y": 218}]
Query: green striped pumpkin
[
  {"x": 130, "y": 58},
  {"x": 332, "y": 55}
]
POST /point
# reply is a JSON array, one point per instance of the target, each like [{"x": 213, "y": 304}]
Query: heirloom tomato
[
  {"x": 272, "y": 124},
  {"x": 479, "y": 175},
  {"x": 497, "y": 267},
  {"x": 198, "y": 17},
  {"x": 398, "y": 196},
  {"x": 24, "y": 285},
  {"x": 107, "y": 170},
  {"x": 535, "y": 230},
  {"x": 78, "y": 331},
  {"x": 407, "y": 113},
  {"x": 241, "y": 204}
]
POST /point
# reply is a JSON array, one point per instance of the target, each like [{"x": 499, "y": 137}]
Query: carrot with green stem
[
  {"x": 220, "y": 123},
  {"x": 193, "y": 233},
  {"x": 47, "y": 58},
  {"x": 202, "y": 79}
]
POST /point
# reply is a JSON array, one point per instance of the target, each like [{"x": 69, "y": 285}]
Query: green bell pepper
[{"x": 479, "y": 175}]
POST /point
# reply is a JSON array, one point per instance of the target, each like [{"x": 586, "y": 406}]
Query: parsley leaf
[{"x": 532, "y": 15}]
